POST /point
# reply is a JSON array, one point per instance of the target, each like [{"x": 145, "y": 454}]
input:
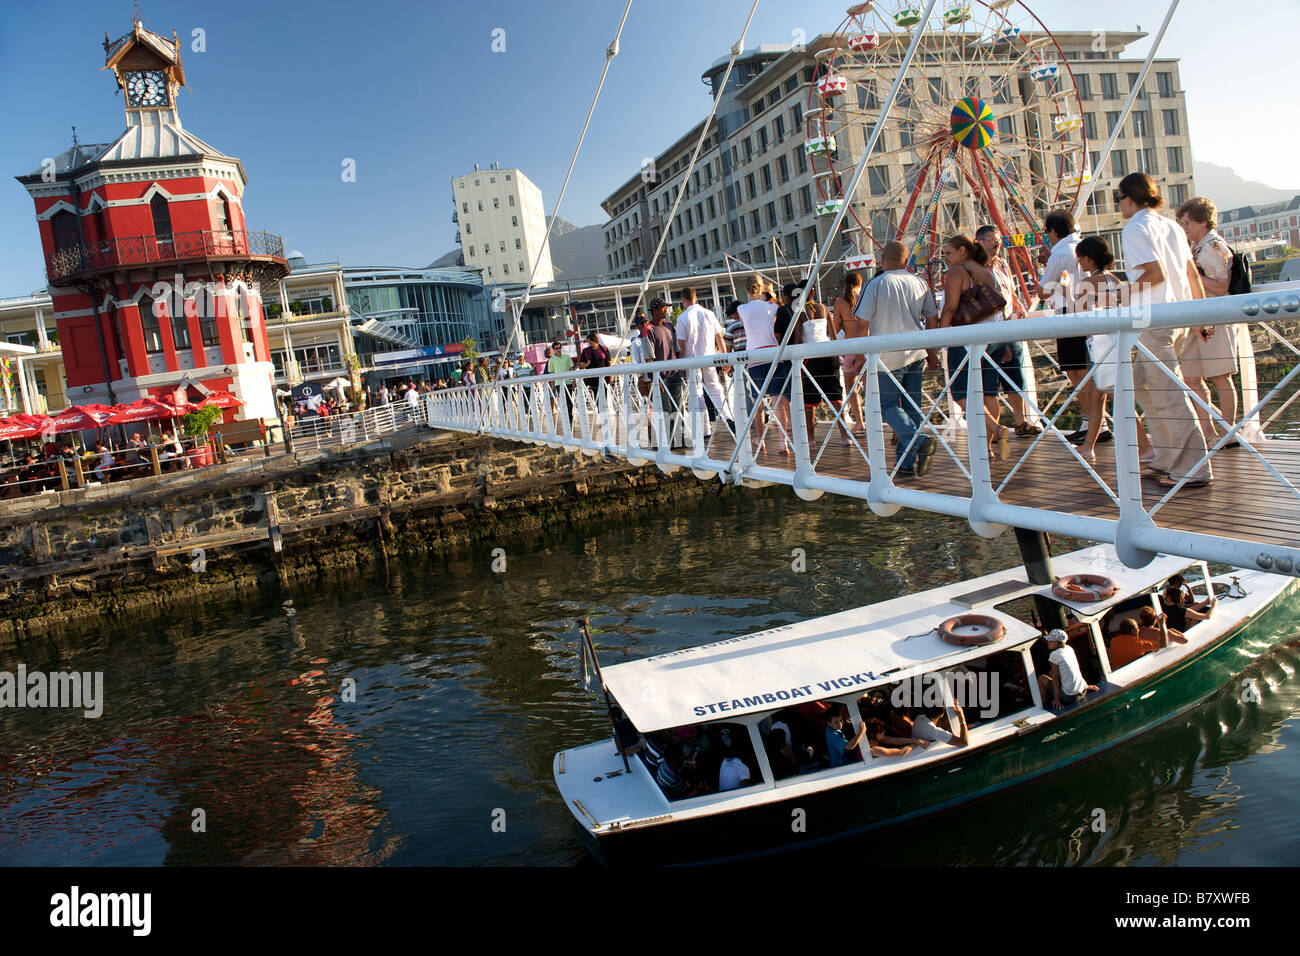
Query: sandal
[
  {"x": 1026, "y": 430},
  {"x": 1168, "y": 482}
]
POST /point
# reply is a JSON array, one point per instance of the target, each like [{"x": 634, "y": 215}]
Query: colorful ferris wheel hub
[
  {"x": 817, "y": 146},
  {"x": 832, "y": 85},
  {"x": 954, "y": 15},
  {"x": 864, "y": 42},
  {"x": 1045, "y": 71},
  {"x": 907, "y": 17},
  {"x": 972, "y": 123}
]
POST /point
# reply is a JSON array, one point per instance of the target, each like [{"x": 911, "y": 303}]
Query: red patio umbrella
[
  {"x": 143, "y": 410},
  {"x": 19, "y": 426},
  {"x": 220, "y": 400},
  {"x": 80, "y": 418}
]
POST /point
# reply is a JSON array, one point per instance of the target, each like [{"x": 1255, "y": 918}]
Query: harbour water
[{"x": 228, "y": 736}]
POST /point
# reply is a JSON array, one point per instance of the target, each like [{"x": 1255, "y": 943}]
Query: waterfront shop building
[
  {"x": 309, "y": 319},
  {"x": 412, "y": 323},
  {"x": 752, "y": 195},
  {"x": 32, "y": 383},
  {"x": 502, "y": 225},
  {"x": 153, "y": 273}
]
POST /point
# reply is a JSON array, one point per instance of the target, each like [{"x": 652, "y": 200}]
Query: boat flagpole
[{"x": 589, "y": 649}]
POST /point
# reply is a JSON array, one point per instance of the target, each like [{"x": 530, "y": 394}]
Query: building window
[
  {"x": 1119, "y": 163},
  {"x": 805, "y": 200},
  {"x": 800, "y": 162},
  {"x": 208, "y": 318},
  {"x": 1174, "y": 155},
  {"x": 64, "y": 225},
  {"x": 496, "y": 202},
  {"x": 1007, "y": 127},
  {"x": 1146, "y": 160},
  {"x": 181, "y": 328},
  {"x": 518, "y": 245},
  {"x": 503, "y": 245},
  {"x": 512, "y": 200},
  {"x": 1173, "y": 127},
  {"x": 514, "y": 221},
  {"x": 505, "y": 268},
  {"x": 878, "y": 180},
  {"x": 1083, "y": 83},
  {"x": 1142, "y": 123},
  {"x": 221, "y": 214},
  {"x": 464, "y": 207},
  {"x": 521, "y": 268},
  {"x": 1178, "y": 195},
  {"x": 162, "y": 219},
  {"x": 1090, "y": 125},
  {"x": 1133, "y": 85},
  {"x": 787, "y": 203},
  {"x": 767, "y": 178},
  {"x": 771, "y": 215},
  {"x": 779, "y": 125},
  {"x": 762, "y": 139},
  {"x": 753, "y": 189},
  {"x": 1109, "y": 86},
  {"x": 507, "y": 177},
  {"x": 1112, "y": 120},
  {"x": 1165, "y": 84},
  {"x": 782, "y": 169},
  {"x": 149, "y": 325}
]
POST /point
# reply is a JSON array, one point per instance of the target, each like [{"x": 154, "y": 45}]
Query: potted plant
[
  {"x": 295, "y": 307},
  {"x": 275, "y": 310},
  {"x": 327, "y": 304},
  {"x": 195, "y": 424}
]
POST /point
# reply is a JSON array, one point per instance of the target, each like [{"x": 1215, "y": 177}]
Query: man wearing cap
[
  {"x": 699, "y": 334},
  {"x": 1066, "y": 680},
  {"x": 663, "y": 345}
]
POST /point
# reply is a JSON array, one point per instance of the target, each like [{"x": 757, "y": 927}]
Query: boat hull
[{"x": 849, "y": 809}]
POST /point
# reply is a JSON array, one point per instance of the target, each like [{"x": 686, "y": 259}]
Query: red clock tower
[{"x": 155, "y": 278}]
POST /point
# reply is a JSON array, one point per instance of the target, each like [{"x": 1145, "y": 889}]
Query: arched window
[
  {"x": 64, "y": 225},
  {"x": 162, "y": 218},
  {"x": 180, "y": 327},
  {"x": 214, "y": 307}
]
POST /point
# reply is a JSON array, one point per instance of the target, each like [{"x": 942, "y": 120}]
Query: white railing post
[
  {"x": 1128, "y": 477},
  {"x": 799, "y": 436},
  {"x": 879, "y": 479},
  {"x": 977, "y": 445}
]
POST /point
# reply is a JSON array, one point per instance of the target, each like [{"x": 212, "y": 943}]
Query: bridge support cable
[
  {"x": 833, "y": 232},
  {"x": 611, "y": 51},
  {"x": 1085, "y": 193},
  {"x": 736, "y": 49}
]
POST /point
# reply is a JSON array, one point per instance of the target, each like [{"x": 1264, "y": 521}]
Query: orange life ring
[
  {"x": 1082, "y": 588},
  {"x": 971, "y": 630}
]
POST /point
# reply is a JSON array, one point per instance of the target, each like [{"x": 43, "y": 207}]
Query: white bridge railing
[{"x": 1249, "y": 516}]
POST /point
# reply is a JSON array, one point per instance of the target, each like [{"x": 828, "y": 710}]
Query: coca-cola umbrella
[
  {"x": 20, "y": 426},
  {"x": 80, "y": 418},
  {"x": 219, "y": 400},
  {"x": 143, "y": 410}
]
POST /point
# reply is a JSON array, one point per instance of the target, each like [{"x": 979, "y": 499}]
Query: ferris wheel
[{"x": 987, "y": 127}]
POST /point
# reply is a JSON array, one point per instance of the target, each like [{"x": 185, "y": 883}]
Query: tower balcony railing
[{"x": 108, "y": 254}]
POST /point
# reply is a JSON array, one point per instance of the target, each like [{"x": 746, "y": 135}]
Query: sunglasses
[{"x": 1118, "y": 196}]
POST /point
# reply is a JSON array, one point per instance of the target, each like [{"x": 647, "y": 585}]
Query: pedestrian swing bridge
[{"x": 1248, "y": 516}]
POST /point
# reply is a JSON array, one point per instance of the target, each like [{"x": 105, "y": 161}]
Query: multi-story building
[
  {"x": 154, "y": 277},
  {"x": 33, "y": 382},
  {"x": 1273, "y": 225},
  {"x": 502, "y": 225},
  {"x": 310, "y": 319},
  {"x": 753, "y": 196},
  {"x": 411, "y": 322}
]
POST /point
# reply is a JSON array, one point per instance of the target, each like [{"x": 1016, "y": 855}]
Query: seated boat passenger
[
  {"x": 1156, "y": 628},
  {"x": 837, "y": 747},
  {"x": 670, "y": 773},
  {"x": 780, "y": 756},
  {"x": 876, "y": 737},
  {"x": 1129, "y": 644},
  {"x": 942, "y": 732},
  {"x": 1066, "y": 681},
  {"x": 733, "y": 773},
  {"x": 1183, "y": 615},
  {"x": 626, "y": 737}
]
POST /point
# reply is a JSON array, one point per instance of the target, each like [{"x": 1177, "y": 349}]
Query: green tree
[{"x": 471, "y": 351}]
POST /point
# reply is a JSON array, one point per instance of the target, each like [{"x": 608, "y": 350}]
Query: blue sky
[{"x": 414, "y": 94}]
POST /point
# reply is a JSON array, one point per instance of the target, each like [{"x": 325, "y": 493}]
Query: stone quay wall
[{"x": 151, "y": 545}]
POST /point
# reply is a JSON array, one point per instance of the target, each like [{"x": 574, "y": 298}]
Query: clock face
[{"x": 146, "y": 88}]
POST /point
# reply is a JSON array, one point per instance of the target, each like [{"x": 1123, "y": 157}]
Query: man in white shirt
[
  {"x": 1066, "y": 682},
  {"x": 412, "y": 399},
  {"x": 897, "y": 301},
  {"x": 699, "y": 333},
  {"x": 1161, "y": 269},
  {"x": 733, "y": 773}
]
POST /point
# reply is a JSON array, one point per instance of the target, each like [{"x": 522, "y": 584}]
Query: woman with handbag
[
  {"x": 971, "y": 296},
  {"x": 1098, "y": 289}
]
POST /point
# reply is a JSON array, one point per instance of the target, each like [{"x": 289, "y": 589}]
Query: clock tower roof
[{"x": 142, "y": 49}]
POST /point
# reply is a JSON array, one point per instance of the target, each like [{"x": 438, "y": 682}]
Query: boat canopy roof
[{"x": 840, "y": 653}]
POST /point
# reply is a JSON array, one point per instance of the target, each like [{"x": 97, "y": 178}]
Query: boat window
[
  {"x": 990, "y": 687},
  {"x": 704, "y": 758},
  {"x": 1085, "y": 649},
  {"x": 799, "y": 740}
]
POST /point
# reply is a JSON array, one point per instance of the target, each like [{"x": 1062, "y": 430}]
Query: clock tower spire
[{"x": 148, "y": 70}]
